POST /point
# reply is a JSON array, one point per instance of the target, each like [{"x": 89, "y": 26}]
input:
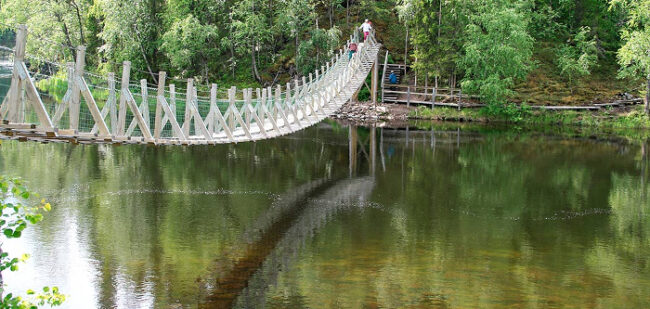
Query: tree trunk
[
  {"x": 347, "y": 14},
  {"x": 330, "y": 12},
  {"x": 256, "y": 74},
  {"x": 647, "y": 97},
  {"x": 406, "y": 47},
  {"x": 439, "y": 20},
  {"x": 296, "y": 59},
  {"x": 146, "y": 61},
  {"x": 439, "y": 69},
  {"x": 81, "y": 27},
  {"x": 67, "y": 35}
]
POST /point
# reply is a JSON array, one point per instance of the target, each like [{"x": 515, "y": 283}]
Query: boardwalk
[{"x": 130, "y": 117}]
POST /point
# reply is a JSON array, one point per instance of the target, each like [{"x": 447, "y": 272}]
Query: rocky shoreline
[{"x": 367, "y": 111}]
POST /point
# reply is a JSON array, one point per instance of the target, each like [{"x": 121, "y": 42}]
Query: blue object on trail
[{"x": 392, "y": 78}]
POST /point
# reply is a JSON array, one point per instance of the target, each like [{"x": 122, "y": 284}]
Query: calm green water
[{"x": 338, "y": 217}]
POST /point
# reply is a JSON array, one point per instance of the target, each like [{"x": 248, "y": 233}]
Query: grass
[
  {"x": 546, "y": 86},
  {"x": 629, "y": 118}
]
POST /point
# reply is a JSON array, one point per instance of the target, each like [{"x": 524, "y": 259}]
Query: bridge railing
[{"x": 118, "y": 110}]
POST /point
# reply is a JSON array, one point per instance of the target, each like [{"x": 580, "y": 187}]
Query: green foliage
[
  {"x": 576, "y": 58},
  {"x": 319, "y": 46},
  {"x": 187, "y": 45},
  {"x": 634, "y": 56},
  {"x": 523, "y": 114},
  {"x": 492, "y": 69},
  {"x": 509, "y": 112},
  {"x": 56, "y": 85},
  {"x": 18, "y": 211},
  {"x": 255, "y": 42}
]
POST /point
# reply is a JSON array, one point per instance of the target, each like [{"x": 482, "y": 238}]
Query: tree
[
  {"x": 634, "y": 56},
  {"x": 250, "y": 30},
  {"x": 297, "y": 17},
  {"x": 17, "y": 211},
  {"x": 187, "y": 45},
  {"x": 130, "y": 32},
  {"x": 318, "y": 47},
  {"x": 56, "y": 27},
  {"x": 498, "y": 50},
  {"x": 577, "y": 57}
]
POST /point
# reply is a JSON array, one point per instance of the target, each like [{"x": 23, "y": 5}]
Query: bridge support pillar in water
[{"x": 375, "y": 77}]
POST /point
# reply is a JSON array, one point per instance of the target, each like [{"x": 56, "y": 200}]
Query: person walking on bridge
[
  {"x": 353, "y": 49},
  {"x": 366, "y": 27}
]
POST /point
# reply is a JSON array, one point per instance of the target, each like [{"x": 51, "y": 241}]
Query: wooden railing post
[
  {"x": 188, "y": 113},
  {"x": 12, "y": 106},
  {"x": 75, "y": 102},
  {"x": 260, "y": 101},
  {"x": 126, "y": 74},
  {"x": 112, "y": 102},
  {"x": 383, "y": 76},
  {"x": 144, "y": 91},
  {"x": 278, "y": 101},
  {"x": 158, "y": 127},
  {"x": 433, "y": 97},
  {"x": 247, "y": 102},
  {"x": 172, "y": 98},
  {"x": 232, "y": 108},
  {"x": 408, "y": 96},
  {"x": 212, "y": 124}
]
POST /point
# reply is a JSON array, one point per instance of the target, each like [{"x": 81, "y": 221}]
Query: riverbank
[
  {"x": 623, "y": 117},
  {"x": 614, "y": 117}
]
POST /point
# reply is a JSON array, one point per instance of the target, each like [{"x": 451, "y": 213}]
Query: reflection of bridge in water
[
  {"x": 119, "y": 112},
  {"x": 274, "y": 240}
]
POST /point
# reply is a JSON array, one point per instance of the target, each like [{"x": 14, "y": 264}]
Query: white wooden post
[
  {"x": 212, "y": 122},
  {"x": 247, "y": 102},
  {"x": 232, "y": 108},
  {"x": 158, "y": 127},
  {"x": 75, "y": 102},
  {"x": 126, "y": 74},
  {"x": 20, "y": 76},
  {"x": 112, "y": 101},
  {"x": 278, "y": 100},
  {"x": 12, "y": 104},
  {"x": 188, "y": 112},
  {"x": 66, "y": 98},
  {"x": 145, "y": 101}
]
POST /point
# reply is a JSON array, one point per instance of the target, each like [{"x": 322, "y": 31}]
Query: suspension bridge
[{"x": 161, "y": 116}]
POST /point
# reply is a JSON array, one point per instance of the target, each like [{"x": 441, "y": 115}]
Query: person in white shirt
[{"x": 366, "y": 27}]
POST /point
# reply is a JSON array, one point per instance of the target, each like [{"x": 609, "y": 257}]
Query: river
[{"x": 339, "y": 216}]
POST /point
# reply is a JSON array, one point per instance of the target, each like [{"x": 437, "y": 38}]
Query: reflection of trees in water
[
  {"x": 527, "y": 216},
  {"x": 445, "y": 189},
  {"x": 628, "y": 256},
  {"x": 152, "y": 218}
]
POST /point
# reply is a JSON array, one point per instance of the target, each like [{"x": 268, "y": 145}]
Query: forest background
[{"x": 534, "y": 51}]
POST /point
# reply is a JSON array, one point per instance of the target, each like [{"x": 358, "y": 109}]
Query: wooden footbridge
[{"x": 131, "y": 115}]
